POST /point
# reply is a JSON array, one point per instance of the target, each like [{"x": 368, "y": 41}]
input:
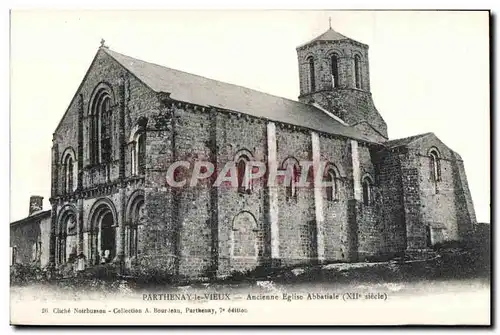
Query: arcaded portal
[
  {"x": 108, "y": 238},
  {"x": 103, "y": 234}
]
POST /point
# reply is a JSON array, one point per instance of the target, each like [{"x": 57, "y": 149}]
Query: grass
[{"x": 452, "y": 262}]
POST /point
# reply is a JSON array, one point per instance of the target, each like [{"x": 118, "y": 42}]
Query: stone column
[
  {"x": 120, "y": 231},
  {"x": 52, "y": 240},
  {"x": 415, "y": 229},
  {"x": 55, "y": 168},
  {"x": 79, "y": 181},
  {"x": 53, "y": 202},
  {"x": 79, "y": 234},
  {"x": 351, "y": 230},
  {"x": 356, "y": 172},
  {"x": 318, "y": 197},
  {"x": 214, "y": 196},
  {"x": 79, "y": 156},
  {"x": 273, "y": 191},
  {"x": 79, "y": 226}
]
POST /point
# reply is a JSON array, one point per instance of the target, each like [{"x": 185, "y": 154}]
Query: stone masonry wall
[
  {"x": 418, "y": 211},
  {"x": 234, "y": 135},
  {"x": 138, "y": 102},
  {"x": 446, "y": 205},
  {"x": 438, "y": 203},
  {"x": 353, "y": 106},
  {"x": 466, "y": 215},
  {"x": 159, "y": 245},
  {"x": 192, "y": 143},
  {"x": 23, "y": 238},
  {"x": 296, "y": 216},
  {"x": 367, "y": 130},
  {"x": 415, "y": 230},
  {"x": 45, "y": 238},
  {"x": 370, "y": 227},
  {"x": 392, "y": 217},
  {"x": 336, "y": 151},
  {"x": 429, "y": 208}
]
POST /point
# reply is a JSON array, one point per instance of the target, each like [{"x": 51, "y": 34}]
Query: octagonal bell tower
[{"x": 334, "y": 75}]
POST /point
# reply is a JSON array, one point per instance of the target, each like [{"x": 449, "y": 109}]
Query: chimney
[{"x": 36, "y": 204}]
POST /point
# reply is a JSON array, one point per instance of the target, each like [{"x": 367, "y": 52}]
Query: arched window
[
  {"x": 133, "y": 159},
  {"x": 100, "y": 128},
  {"x": 242, "y": 171},
  {"x": 242, "y": 161},
  {"x": 132, "y": 239},
  {"x": 61, "y": 255},
  {"x": 69, "y": 174},
  {"x": 335, "y": 70},
  {"x": 61, "y": 243},
  {"x": 330, "y": 180},
  {"x": 105, "y": 116},
  {"x": 138, "y": 153},
  {"x": 435, "y": 166},
  {"x": 68, "y": 171},
  {"x": 312, "y": 79},
  {"x": 67, "y": 228},
  {"x": 13, "y": 255},
  {"x": 357, "y": 71},
  {"x": 136, "y": 218},
  {"x": 93, "y": 139},
  {"x": 291, "y": 165},
  {"x": 141, "y": 153},
  {"x": 367, "y": 185}
]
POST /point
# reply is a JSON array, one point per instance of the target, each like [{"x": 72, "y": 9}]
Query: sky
[{"x": 429, "y": 72}]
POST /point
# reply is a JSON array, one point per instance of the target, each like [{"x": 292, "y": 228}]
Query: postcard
[{"x": 250, "y": 168}]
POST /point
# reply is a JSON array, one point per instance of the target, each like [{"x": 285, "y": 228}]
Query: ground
[{"x": 440, "y": 270}]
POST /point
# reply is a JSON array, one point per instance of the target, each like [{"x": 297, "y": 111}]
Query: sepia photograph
[{"x": 257, "y": 167}]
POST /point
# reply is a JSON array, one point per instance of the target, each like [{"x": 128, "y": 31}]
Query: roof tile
[
  {"x": 198, "y": 90},
  {"x": 329, "y": 35},
  {"x": 404, "y": 141}
]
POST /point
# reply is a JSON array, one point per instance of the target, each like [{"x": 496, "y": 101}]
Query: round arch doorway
[
  {"x": 108, "y": 238},
  {"x": 103, "y": 234}
]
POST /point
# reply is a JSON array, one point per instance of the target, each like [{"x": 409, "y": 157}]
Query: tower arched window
[
  {"x": 334, "y": 61},
  {"x": 367, "y": 185},
  {"x": 312, "y": 79},
  {"x": 100, "y": 128},
  {"x": 357, "y": 71}
]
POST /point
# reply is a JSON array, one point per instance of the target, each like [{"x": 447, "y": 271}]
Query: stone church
[{"x": 130, "y": 120}]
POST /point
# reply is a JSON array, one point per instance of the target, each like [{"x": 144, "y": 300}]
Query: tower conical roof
[{"x": 329, "y": 35}]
